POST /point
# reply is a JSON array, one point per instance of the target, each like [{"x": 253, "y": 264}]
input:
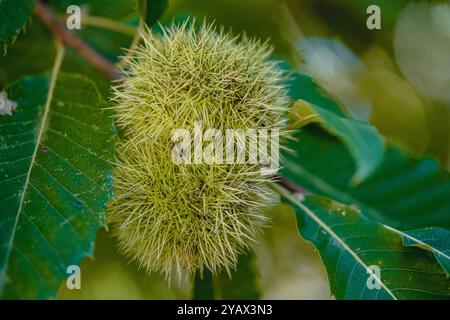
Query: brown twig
[{"x": 75, "y": 42}]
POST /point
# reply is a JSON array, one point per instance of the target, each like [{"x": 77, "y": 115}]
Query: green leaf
[
  {"x": 364, "y": 259},
  {"x": 32, "y": 53},
  {"x": 303, "y": 87},
  {"x": 13, "y": 16},
  {"x": 403, "y": 192},
  {"x": 363, "y": 141},
  {"x": 55, "y": 179},
  {"x": 242, "y": 285},
  {"x": 435, "y": 240},
  {"x": 313, "y": 104},
  {"x": 152, "y": 10}
]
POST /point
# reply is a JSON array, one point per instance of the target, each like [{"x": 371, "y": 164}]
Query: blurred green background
[{"x": 398, "y": 78}]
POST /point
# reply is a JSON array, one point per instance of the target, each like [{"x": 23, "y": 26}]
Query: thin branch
[{"x": 75, "y": 42}]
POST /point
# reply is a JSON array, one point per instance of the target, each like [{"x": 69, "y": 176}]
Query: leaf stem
[
  {"x": 109, "y": 24},
  {"x": 73, "y": 41}
]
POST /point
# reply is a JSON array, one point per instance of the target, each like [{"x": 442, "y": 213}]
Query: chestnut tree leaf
[
  {"x": 403, "y": 192},
  {"x": 435, "y": 240},
  {"x": 363, "y": 141},
  {"x": 364, "y": 259},
  {"x": 56, "y": 151},
  {"x": 14, "y": 15}
]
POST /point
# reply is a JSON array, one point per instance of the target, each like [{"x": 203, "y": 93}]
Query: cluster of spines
[{"x": 182, "y": 218}]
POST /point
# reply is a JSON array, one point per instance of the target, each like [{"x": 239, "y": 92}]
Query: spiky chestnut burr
[{"x": 179, "y": 218}]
